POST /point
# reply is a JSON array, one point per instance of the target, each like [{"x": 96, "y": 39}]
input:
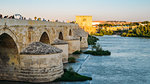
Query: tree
[
  {"x": 35, "y": 18},
  {"x": 145, "y": 22},
  {"x": 100, "y": 25}
]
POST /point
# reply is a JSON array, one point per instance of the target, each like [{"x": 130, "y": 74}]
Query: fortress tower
[{"x": 85, "y": 22}]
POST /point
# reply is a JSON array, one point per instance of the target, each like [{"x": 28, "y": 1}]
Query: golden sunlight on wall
[{"x": 85, "y": 22}]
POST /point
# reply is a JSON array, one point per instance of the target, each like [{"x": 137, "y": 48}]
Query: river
[{"x": 129, "y": 62}]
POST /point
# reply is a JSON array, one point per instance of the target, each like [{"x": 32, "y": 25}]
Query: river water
[{"x": 129, "y": 62}]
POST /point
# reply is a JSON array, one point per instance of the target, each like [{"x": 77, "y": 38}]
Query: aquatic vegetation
[
  {"x": 77, "y": 52},
  {"x": 92, "y": 40},
  {"x": 98, "y": 51},
  {"x": 71, "y": 60},
  {"x": 71, "y": 75}
]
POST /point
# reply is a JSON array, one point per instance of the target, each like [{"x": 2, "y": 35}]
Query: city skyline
[{"x": 102, "y": 10}]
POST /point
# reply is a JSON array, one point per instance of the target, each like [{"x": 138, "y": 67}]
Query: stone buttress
[
  {"x": 40, "y": 62},
  {"x": 64, "y": 46}
]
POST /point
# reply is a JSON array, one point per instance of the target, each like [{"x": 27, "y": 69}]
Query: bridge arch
[
  {"x": 9, "y": 52},
  {"x": 44, "y": 36},
  {"x": 12, "y": 35},
  {"x": 60, "y": 36}
]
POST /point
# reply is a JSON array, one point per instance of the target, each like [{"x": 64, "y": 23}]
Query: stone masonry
[{"x": 26, "y": 53}]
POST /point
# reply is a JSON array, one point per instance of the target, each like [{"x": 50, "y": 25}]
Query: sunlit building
[{"x": 85, "y": 22}]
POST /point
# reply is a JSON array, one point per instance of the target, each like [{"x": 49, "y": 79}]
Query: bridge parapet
[
  {"x": 17, "y": 22},
  {"x": 28, "y": 31}
]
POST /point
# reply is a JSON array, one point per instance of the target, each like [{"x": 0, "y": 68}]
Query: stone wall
[
  {"x": 83, "y": 42},
  {"x": 40, "y": 68},
  {"x": 74, "y": 45},
  {"x": 64, "y": 47},
  {"x": 34, "y": 68}
]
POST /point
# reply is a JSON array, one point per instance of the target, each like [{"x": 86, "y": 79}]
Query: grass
[{"x": 71, "y": 76}]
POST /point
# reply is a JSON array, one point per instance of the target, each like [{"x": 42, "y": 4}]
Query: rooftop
[
  {"x": 58, "y": 41},
  {"x": 39, "y": 48},
  {"x": 80, "y": 32}
]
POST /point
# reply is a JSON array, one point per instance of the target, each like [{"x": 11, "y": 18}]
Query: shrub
[
  {"x": 71, "y": 60},
  {"x": 139, "y": 31},
  {"x": 124, "y": 34},
  {"x": 98, "y": 48},
  {"x": 98, "y": 34},
  {"x": 77, "y": 52},
  {"x": 92, "y": 40},
  {"x": 98, "y": 51}
]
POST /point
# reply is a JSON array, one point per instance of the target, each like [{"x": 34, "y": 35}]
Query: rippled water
[{"x": 129, "y": 62}]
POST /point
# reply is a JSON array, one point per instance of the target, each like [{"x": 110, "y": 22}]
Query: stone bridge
[{"x": 34, "y": 51}]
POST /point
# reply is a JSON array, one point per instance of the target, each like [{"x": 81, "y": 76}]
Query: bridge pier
[
  {"x": 83, "y": 36},
  {"x": 40, "y": 66},
  {"x": 64, "y": 46},
  {"x": 74, "y": 44},
  {"x": 83, "y": 42}
]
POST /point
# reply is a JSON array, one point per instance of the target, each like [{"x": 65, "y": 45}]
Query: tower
[{"x": 85, "y": 22}]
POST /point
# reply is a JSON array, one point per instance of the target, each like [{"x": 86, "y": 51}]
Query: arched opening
[
  {"x": 8, "y": 51},
  {"x": 44, "y": 38},
  {"x": 80, "y": 38},
  {"x": 60, "y": 36},
  {"x": 70, "y": 33}
]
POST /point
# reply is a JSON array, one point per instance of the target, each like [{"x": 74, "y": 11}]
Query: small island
[{"x": 98, "y": 51}]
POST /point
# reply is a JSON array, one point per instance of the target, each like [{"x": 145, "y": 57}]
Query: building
[{"x": 85, "y": 22}]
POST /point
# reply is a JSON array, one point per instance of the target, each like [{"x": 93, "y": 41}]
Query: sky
[{"x": 101, "y": 10}]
